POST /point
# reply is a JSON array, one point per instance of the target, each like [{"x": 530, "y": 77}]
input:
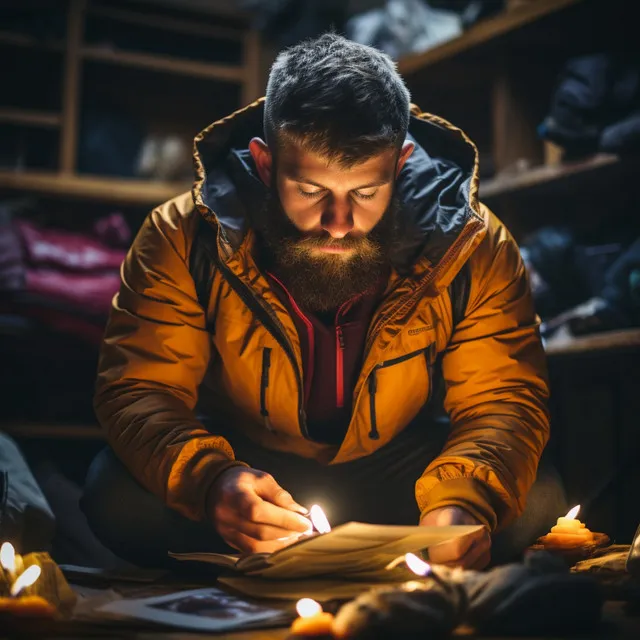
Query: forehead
[{"x": 294, "y": 161}]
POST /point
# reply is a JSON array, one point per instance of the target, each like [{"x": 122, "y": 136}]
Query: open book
[{"x": 353, "y": 550}]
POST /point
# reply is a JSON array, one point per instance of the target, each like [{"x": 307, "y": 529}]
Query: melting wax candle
[
  {"x": 313, "y": 621},
  {"x": 568, "y": 532}
]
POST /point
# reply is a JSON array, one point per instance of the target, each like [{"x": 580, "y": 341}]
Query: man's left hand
[{"x": 470, "y": 552}]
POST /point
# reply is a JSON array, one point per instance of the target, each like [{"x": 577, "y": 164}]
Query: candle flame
[
  {"x": 418, "y": 566},
  {"x": 319, "y": 520},
  {"x": 26, "y": 579},
  {"x": 8, "y": 557},
  {"x": 573, "y": 513},
  {"x": 307, "y": 607}
]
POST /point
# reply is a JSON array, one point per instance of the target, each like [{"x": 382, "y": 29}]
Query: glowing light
[
  {"x": 8, "y": 557},
  {"x": 573, "y": 513},
  {"x": 418, "y": 566},
  {"x": 308, "y": 607},
  {"x": 26, "y": 579},
  {"x": 319, "y": 520}
]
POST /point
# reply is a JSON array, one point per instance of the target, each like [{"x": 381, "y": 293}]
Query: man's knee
[{"x": 117, "y": 508}]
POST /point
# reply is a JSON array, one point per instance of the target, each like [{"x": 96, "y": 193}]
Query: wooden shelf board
[
  {"x": 52, "y": 430},
  {"x": 117, "y": 190},
  {"x": 621, "y": 339},
  {"x": 165, "y": 64},
  {"x": 482, "y": 32},
  {"x": 30, "y": 118},
  {"x": 25, "y": 40},
  {"x": 544, "y": 174},
  {"x": 188, "y": 27}
]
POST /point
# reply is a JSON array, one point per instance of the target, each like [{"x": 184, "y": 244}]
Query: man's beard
[{"x": 321, "y": 282}]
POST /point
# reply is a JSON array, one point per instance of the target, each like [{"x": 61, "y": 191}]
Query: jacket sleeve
[
  {"x": 496, "y": 393},
  {"x": 153, "y": 358}
]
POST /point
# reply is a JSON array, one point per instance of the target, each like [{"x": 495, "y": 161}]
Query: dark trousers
[{"x": 379, "y": 488}]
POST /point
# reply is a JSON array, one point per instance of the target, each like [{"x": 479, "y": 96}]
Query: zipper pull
[
  {"x": 340, "y": 337},
  {"x": 373, "y": 387}
]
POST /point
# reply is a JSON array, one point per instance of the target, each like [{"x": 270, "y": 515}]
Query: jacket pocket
[
  {"x": 264, "y": 384},
  {"x": 429, "y": 353}
]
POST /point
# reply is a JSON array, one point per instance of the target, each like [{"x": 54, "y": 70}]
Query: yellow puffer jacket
[{"x": 162, "y": 352}]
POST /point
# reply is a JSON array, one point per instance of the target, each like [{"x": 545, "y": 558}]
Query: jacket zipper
[
  {"x": 373, "y": 382},
  {"x": 339, "y": 367},
  {"x": 275, "y": 328},
  {"x": 264, "y": 383},
  {"x": 430, "y": 355}
]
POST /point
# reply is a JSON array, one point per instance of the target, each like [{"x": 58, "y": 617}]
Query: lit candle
[
  {"x": 313, "y": 621},
  {"x": 25, "y": 579},
  {"x": 568, "y": 532},
  {"x": 318, "y": 519},
  {"x": 30, "y": 606},
  {"x": 8, "y": 560}
]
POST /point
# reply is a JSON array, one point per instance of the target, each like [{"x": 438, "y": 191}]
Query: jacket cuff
[{"x": 470, "y": 494}]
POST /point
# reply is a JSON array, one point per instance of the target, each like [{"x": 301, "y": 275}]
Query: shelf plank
[
  {"x": 165, "y": 64},
  {"x": 116, "y": 190},
  {"x": 543, "y": 175},
  {"x": 188, "y": 27},
  {"x": 28, "y": 41},
  {"x": 52, "y": 430},
  {"x": 30, "y": 118},
  {"x": 482, "y": 32},
  {"x": 610, "y": 340}
]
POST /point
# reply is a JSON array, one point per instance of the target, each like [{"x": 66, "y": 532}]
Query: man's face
[
  {"x": 328, "y": 229},
  {"x": 333, "y": 207}
]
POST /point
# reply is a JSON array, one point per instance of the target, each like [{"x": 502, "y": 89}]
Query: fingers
[
  {"x": 463, "y": 551},
  {"x": 253, "y": 509},
  {"x": 478, "y": 555},
  {"x": 269, "y": 489}
]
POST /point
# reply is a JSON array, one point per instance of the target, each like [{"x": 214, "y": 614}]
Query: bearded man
[{"x": 329, "y": 316}]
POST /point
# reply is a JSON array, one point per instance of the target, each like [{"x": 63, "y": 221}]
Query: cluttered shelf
[
  {"x": 545, "y": 174},
  {"x": 606, "y": 341},
  {"x": 30, "y": 117},
  {"x": 117, "y": 190},
  {"x": 167, "y": 64},
  {"x": 483, "y": 32}
]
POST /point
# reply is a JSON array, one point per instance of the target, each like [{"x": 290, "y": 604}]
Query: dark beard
[{"x": 322, "y": 282}]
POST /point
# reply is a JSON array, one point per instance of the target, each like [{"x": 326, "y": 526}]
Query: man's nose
[{"x": 337, "y": 220}]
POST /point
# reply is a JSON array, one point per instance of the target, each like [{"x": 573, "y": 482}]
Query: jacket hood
[{"x": 437, "y": 186}]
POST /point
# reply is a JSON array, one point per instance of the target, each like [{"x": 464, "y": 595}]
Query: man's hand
[
  {"x": 253, "y": 513},
  {"x": 470, "y": 551}
]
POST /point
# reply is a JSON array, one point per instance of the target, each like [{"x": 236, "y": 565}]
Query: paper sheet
[{"x": 353, "y": 550}]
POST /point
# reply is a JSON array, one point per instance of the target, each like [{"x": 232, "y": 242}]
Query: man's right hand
[{"x": 253, "y": 513}]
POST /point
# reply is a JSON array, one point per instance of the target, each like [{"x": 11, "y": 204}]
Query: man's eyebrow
[{"x": 370, "y": 185}]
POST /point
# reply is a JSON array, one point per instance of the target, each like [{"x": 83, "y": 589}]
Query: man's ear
[
  {"x": 262, "y": 158},
  {"x": 405, "y": 152}
]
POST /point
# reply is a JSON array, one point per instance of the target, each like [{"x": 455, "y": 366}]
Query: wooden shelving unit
[
  {"x": 30, "y": 118},
  {"x": 545, "y": 174},
  {"x": 483, "y": 32},
  {"x": 93, "y": 188},
  {"x": 66, "y": 182},
  {"x": 608, "y": 341}
]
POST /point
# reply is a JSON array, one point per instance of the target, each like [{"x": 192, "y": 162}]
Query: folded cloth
[{"x": 26, "y": 520}]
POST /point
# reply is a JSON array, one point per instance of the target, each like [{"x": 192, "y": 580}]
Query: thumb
[{"x": 268, "y": 489}]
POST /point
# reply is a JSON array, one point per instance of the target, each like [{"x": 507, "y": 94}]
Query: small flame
[
  {"x": 307, "y": 607},
  {"x": 8, "y": 557},
  {"x": 418, "y": 566},
  {"x": 319, "y": 520},
  {"x": 26, "y": 579},
  {"x": 573, "y": 513}
]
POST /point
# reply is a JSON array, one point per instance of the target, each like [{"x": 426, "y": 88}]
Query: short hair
[{"x": 338, "y": 98}]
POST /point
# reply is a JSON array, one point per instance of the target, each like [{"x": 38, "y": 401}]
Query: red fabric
[
  {"x": 66, "y": 250},
  {"x": 330, "y": 386}
]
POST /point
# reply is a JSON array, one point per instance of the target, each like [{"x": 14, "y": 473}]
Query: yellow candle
[
  {"x": 312, "y": 621},
  {"x": 27, "y": 607},
  {"x": 568, "y": 532}
]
